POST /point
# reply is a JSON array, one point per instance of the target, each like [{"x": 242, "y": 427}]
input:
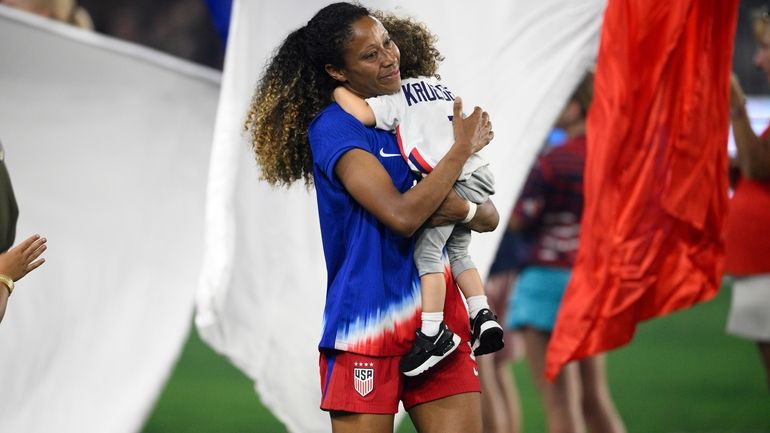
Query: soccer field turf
[{"x": 680, "y": 374}]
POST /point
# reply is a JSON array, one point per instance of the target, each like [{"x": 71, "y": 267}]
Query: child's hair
[{"x": 419, "y": 55}]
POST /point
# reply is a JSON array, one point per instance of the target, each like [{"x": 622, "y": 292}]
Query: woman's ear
[{"x": 336, "y": 73}]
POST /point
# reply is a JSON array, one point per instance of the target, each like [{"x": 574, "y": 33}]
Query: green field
[{"x": 681, "y": 374}]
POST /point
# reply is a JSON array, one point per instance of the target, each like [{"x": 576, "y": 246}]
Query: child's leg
[
  {"x": 427, "y": 256},
  {"x": 433, "y": 292},
  {"x": 434, "y": 341},
  {"x": 464, "y": 270},
  {"x": 470, "y": 283},
  {"x": 486, "y": 333},
  {"x": 473, "y": 290}
]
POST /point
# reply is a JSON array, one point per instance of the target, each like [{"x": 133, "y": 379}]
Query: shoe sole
[
  {"x": 490, "y": 339},
  {"x": 433, "y": 360}
]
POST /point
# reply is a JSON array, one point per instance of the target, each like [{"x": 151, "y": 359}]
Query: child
[{"x": 421, "y": 116}]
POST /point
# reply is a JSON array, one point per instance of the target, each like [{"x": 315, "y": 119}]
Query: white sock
[
  {"x": 476, "y": 304},
  {"x": 431, "y": 322}
]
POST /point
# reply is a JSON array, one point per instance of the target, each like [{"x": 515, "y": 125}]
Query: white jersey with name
[{"x": 421, "y": 116}]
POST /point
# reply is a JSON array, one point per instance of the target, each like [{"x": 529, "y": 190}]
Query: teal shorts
[{"x": 535, "y": 302}]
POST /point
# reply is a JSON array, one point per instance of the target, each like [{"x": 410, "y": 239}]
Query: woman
[
  {"x": 551, "y": 206},
  {"x": 747, "y": 243},
  {"x": 368, "y": 210},
  {"x": 500, "y": 403}
]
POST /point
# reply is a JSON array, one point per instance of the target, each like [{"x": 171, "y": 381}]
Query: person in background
[
  {"x": 747, "y": 241},
  {"x": 500, "y": 404},
  {"x": 67, "y": 11},
  {"x": 16, "y": 262},
  {"x": 550, "y": 206}
]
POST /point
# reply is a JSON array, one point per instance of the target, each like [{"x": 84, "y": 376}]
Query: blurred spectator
[
  {"x": 183, "y": 28},
  {"x": 747, "y": 241},
  {"x": 551, "y": 205},
  {"x": 500, "y": 403},
  {"x": 66, "y": 11}
]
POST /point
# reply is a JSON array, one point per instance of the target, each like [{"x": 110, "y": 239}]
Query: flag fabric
[
  {"x": 107, "y": 145},
  {"x": 261, "y": 292},
  {"x": 656, "y": 174}
]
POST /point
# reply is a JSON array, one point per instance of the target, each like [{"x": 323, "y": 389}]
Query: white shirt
[{"x": 421, "y": 115}]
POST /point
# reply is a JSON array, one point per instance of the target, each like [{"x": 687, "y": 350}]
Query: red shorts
[{"x": 369, "y": 384}]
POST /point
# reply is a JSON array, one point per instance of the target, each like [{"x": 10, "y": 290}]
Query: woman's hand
[
  {"x": 454, "y": 209},
  {"x": 23, "y": 258},
  {"x": 18, "y": 262},
  {"x": 474, "y": 132}
]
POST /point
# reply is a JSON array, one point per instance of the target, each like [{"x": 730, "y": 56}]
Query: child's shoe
[
  {"x": 486, "y": 333},
  {"x": 428, "y": 351}
]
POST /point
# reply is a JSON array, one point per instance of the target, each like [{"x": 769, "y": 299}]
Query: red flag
[{"x": 656, "y": 173}]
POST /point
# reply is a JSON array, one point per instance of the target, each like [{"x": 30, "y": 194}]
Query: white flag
[{"x": 107, "y": 145}]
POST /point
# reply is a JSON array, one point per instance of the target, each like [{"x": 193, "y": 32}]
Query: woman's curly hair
[{"x": 295, "y": 87}]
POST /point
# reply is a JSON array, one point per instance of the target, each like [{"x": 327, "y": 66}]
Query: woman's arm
[
  {"x": 370, "y": 185},
  {"x": 486, "y": 219},
  {"x": 454, "y": 209},
  {"x": 354, "y": 105},
  {"x": 753, "y": 151}
]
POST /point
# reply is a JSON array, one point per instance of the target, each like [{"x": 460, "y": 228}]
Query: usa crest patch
[{"x": 363, "y": 377}]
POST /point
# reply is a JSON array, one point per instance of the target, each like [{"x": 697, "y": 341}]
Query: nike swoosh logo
[
  {"x": 476, "y": 372},
  {"x": 388, "y": 155}
]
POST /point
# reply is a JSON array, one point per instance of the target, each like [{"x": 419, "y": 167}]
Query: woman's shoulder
[{"x": 334, "y": 131}]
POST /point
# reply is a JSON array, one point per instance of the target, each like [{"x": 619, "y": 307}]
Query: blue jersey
[{"x": 373, "y": 289}]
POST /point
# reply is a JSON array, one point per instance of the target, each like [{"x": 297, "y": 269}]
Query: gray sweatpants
[{"x": 456, "y": 237}]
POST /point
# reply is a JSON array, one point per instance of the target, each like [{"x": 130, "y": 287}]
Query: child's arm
[{"x": 354, "y": 105}]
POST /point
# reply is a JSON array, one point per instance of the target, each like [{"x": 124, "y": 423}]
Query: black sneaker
[
  {"x": 486, "y": 333},
  {"x": 428, "y": 351}
]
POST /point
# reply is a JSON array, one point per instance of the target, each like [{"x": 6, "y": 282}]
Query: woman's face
[
  {"x": 371, "y": 61},
  {"x": 762, "y": 53}
]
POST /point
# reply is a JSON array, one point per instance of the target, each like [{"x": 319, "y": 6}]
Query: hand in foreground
[{"x": 23, "y": 258}]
